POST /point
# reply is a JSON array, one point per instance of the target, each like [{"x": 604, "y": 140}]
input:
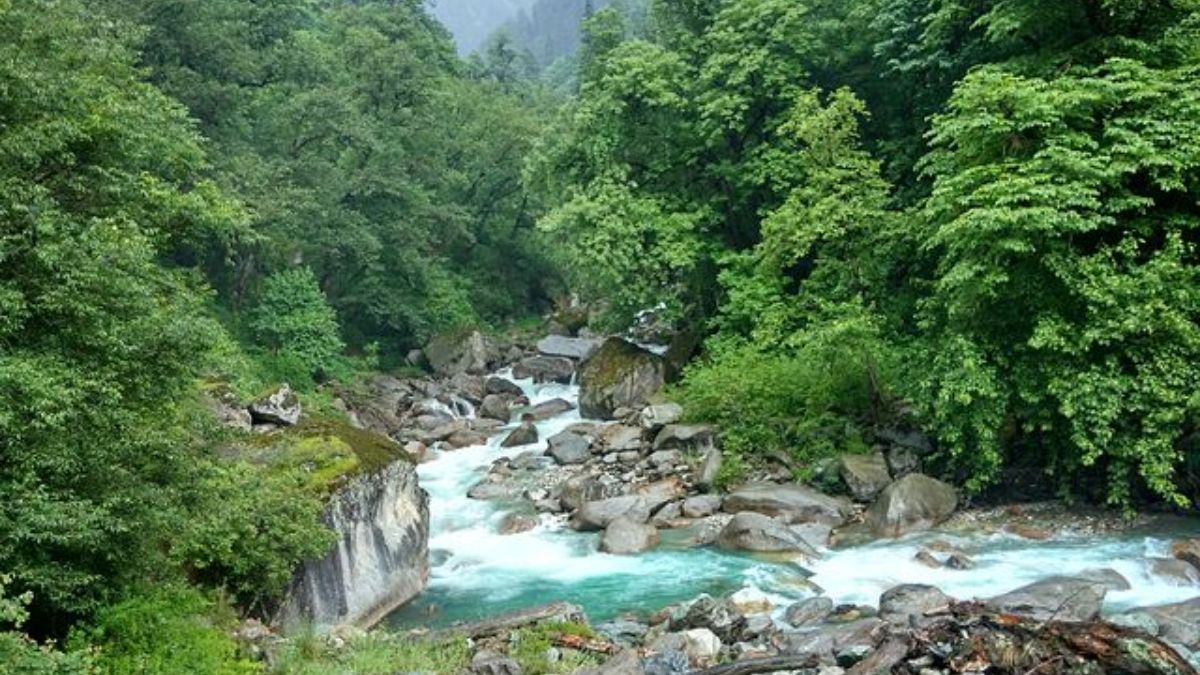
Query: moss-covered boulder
[
  {"x": 462, "y": 351},
  {"x": 329, "y": 451},
  {"x": 619, "y": 375}
]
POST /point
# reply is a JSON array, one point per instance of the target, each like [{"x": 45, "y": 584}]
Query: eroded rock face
[
  {"x": 793, "y": 502},
  {"x": 1057, "y": 598},
  {"x": 380, "y": 558},
  {"x": 619, "y": 375},
  {"x": 915, "y": 502}
]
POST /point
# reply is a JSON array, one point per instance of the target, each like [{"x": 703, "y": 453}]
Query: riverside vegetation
[{"x": 976, "y": 221}]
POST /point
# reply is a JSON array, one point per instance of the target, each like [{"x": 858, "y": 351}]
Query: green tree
[{"x": 294, "y": 320}]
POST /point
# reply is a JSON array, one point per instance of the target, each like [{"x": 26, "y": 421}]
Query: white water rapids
[{"x": 477, "y": 572}]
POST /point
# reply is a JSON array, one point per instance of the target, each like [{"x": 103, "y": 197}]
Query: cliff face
[{"x": 380, "y": 560}]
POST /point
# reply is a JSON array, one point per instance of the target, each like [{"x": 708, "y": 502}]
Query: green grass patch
[{"x": 374, "y": 654}]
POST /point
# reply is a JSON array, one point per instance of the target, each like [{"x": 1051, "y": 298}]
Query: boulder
[
  {"x": 911, "y": 504},
  {"x": 1058, "y": 598},
  {"x": 702, "y": 646},
  {"x": 461, "y": 352},
  {"x": 864, "y": 475},
  {"x": 826, "y": 642},
  {"x": 1110, "y": 578},
  {"x": 624, "y": 536},
  {"x": 515, "y": 523},
  {"x": 710, "y": 468},
  {"x": 499, "y": 385},
  {"x": 749, "y": 531},
  {"x": 720, "y": 616},
  {"x": 1176, "y": 572},
  {"x": 658, "y": 493},
  {"x": 597, "y": 515},
  {"x": 229, "y": 411},
  {"x": 1187, "y": 550},
  {"x": 960, "y": 561},
  {"x": 913, "y": 440},
  {"x": 685, "y": 437},
  {"x": 701, "y": 506},
  {"x": 927, "y": 559},
  {"x": 465, "y": 438},
  {"x": 1178, "y": 623},
  {"x": 808, "y": 611},
  {"x": 496, "y": 407},
  {"x": 901, "y": 461},
  {"x": 545, "y": 369},
  {"x": 280, "y": 407},
  {"x": 626, "y": 662},
  {"x": 906, "y": 606},
  {"x": 655, "y": 417},
  {"x": 619, "y": 374},
  {"x": 792, "y": 502},
  {"x": 526, "y": 434},
  {"x": 491, "y": 663},
  {"x": 568, "y": 448},
  {"x": 577, "y": 349},
  {"x": 552, "y": 408},
  {"x": 665, "y": 459},
  {"x": 470, "y": 387},
  {"x": 619, "y": 437},
  {"x": 816, "y": 534}
]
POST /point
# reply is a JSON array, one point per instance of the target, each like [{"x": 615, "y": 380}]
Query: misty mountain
[{"x": 473, "y": 21}]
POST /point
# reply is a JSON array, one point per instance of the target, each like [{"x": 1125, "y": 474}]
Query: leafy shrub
[
  {"x": 170, "y": 630},
  {"x": 811, "y": 402},
  {"x": 250, "y": 529},
  {"x": 20, "y": 654},
  {"x": 294, "y": 320}
]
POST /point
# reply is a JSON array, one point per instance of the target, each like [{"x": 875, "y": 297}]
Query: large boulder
[
  {"x": 696, "y": 438},
  {"x": 547, "y": 409},
  {"x": 1055, "y": 598},
  {"x": 619, "y": 375},
  {"x": 655, "y": 417},
  {"x": 808, "y": 611},
  {"x": 906, "y": 606},
  {"x": 915, "y": 502},
  {"x": 598, "y": 515},
  {"x": 461, "y": 352},
  {"x": 568, "y": 347},
  {"x": 749, "y": 531},
  {"x": 1187, "y": 550},
  {"x": 624, "y": 536},
  {"x": 499, "y": 385},
  {"x": 545, "y": 369},
  {"x": 496, "y": 407},
  {"x": 792, "y": 502},
  {"x": 280, "y": 407},
  {"x": 569, "y": 448},
  {"x": 1178, "y": 623},
  {"x": 864, "y": 475}
]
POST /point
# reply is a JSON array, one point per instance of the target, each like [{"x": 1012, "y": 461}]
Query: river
[{"x": 477, "y": 572}]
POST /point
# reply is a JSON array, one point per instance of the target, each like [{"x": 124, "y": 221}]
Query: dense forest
[{"x": 976, "y": 218}]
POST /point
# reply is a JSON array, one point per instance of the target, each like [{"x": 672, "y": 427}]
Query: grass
[{"x": 377, "y": 653}]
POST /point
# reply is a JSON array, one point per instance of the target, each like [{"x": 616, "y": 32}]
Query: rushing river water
[{"x": 477, "y": 572}]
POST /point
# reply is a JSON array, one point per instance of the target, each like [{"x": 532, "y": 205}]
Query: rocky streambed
[{"x": 602, "y": 497}]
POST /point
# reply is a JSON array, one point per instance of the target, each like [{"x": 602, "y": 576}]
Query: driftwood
[
  {"x": 557, "y": 611},
  {"x": 972, "y": 639},
  {"x": 582, "y": 644},
  {"x": 767, "y": 665}
]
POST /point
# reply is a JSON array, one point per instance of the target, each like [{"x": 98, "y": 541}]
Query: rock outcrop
[
  {"x": 793, "y": 502},
  {"x": 458, "y": 352},
  {"x": 619, "y": 375},
  {"x": 380, "y": 558}
]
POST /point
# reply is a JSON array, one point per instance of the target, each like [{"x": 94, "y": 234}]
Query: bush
[
  {"x": 812, "y": 401},
  {"x": 294, "y": 320},
  {"x": 249, "y": 531},
  {"x": 168, "y": 631},
  {"x": 20, "y": 654}
]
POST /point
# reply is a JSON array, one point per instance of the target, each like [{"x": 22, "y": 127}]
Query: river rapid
[{"x": 476, "y": 572}]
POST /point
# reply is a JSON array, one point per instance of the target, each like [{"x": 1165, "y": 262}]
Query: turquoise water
[{"x": 477, "y": 572}]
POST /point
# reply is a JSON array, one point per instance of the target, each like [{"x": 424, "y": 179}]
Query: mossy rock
[
  {"x": 620, "y": 374},
  {"x": 329, "y": 451}
]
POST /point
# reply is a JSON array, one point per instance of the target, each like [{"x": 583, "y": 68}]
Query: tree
[{"x": 293, "y": 319}]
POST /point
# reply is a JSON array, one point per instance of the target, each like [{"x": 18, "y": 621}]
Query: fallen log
[
  {"x": 555, "y": 611},
  {"x": 765, "y": 665},
  {"x": 583, "y": 644}
]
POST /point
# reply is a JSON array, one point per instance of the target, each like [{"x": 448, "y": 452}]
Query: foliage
[
  {"x": 249, "y": 531},
  {"x": 166, "y": 631},
  {"x": 530, "y": 645},
  {"x": 378, "y": 653},
  {"x": 293, "y": 319},
  {"x": 21, "y": 655}
]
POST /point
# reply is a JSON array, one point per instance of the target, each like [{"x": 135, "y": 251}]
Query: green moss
[{"x": 329, "y": 450}]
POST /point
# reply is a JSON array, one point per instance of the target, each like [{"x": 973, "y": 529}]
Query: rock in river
[
  {"x": 624, "y": 536},
  {"x": 619, "y": 375},
  {"x": 911, "y": 504},
  {"x": 749, "y": 531},
  {"x": 793, "y": 502}
]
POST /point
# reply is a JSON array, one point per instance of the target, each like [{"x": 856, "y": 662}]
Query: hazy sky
[{"x": 472, "y": 21}]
